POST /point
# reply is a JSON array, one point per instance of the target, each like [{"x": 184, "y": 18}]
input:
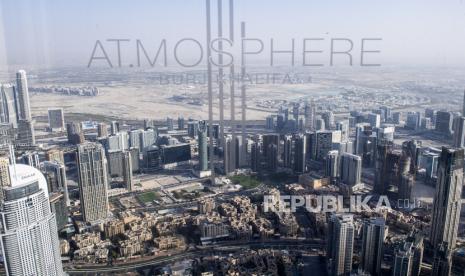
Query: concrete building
[
  {"x": 93, "y": 181},
  {"x": 56, "y": 119},
  {"x": 29, "y": 237},
  {"x": 340, "y": 244},
  {"x": 447, "y": 198},
  {"x": 22, "y": 92},
  {"x": 374, "y": 231}
]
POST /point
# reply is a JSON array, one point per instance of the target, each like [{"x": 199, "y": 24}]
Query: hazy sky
[{"x": 52, "y": 32}]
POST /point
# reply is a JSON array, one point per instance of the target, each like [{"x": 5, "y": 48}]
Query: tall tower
[
  {"x": 442, "y": 261},
  {"x": 29, "y": 236},
  {"x": 459, "y": 133},
  {"x": 300, "y": 150},
  {"x": 228, "y": 154},
  {"x": 255, "y": 156},
  {"x": 447, "y": 198},
  {"x": 127, "y": 171},
  {"x": 23, "y": 96},
  {"x": 403, "y": 261},
  {"x": 287, "y": 155},
  {"x": 351, "y": 169},
  {"x": 8, "y": 106},
  {"x": 332, "y": 164},
  {"x": 203, "y": 148},
  {"x": 340, "y": 244},
  {"x": 55, "y": 173},
  {"x": 93, "y": 182},
  {"x": 372, "y": 245},
  {"x": 309, "y": 113}
]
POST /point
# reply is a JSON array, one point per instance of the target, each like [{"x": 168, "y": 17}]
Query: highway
[{"x": 201, "y": 251}]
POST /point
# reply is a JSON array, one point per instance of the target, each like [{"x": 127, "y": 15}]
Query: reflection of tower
[{"x": 219, "y": 43}]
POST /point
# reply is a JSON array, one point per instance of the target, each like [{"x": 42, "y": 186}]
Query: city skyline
[{"x": 129, "y": 147}]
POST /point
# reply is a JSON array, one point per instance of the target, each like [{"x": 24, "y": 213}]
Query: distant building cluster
[
  {"x": 109, "y": 192},
  {"x": 76, "y": 91}
]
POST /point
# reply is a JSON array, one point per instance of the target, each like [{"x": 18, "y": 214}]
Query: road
[{"x": 202, "y": 251}]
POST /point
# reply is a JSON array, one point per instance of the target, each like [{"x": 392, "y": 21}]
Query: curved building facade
[{"x": 29, "y": 237}]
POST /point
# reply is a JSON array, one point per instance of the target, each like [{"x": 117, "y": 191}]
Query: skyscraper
[
  {"x": 351, "y": 169},
  {"x": 55, "y": 173},
  {"x": 287, "y": 155},
  {"x": 300, "y": 147},
  {"x": 403, "y": 261},
  {"x": 93, "y": 182},
  {"x": 25, "y": 134},
  {"x": 203, "y": 146},
  {"x": 374, "y": 230},
  {"x": 444, "y": 122},
  {"x": 442, "y": 261},
  {"x": 332, "y": 164},
  {"x": 8, "y": 107},
  {"x": 192, "y": 128},
  {"x": 127, "y": 171},
  {"x": 381, "y": 167},
  {"x": 406, "y": 179},
  {"x": 309, "y": 113},
  {"x": 340, "y": 244},
  {"x": 180, "y": 123},
  {"x": 325, "y": 141},
  {"x": 447, "y": 198},
  {"x": 102, "y": 130},
  {"x": 114, "y": 127},
  {"x": 74, "y": 133},
  {"x": 29, "y": 236},
  {"x": 459, "y": 132},
  {"x": 255, "y": 156},
  {"x": 56, "y": 119},
  {"x": 169, "y": 123},
  {"x": 229, "y": 161},
  {"x": 23, "y": 96},
  {"x": 415, "y": 241}
]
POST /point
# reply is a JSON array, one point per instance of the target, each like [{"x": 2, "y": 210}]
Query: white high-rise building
[
  {"x": 340, "y": 244},
  {"x": 22, "y": 91},
  {"x": 93, "y": 181},
  {"x": 29, "y": 237}
]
